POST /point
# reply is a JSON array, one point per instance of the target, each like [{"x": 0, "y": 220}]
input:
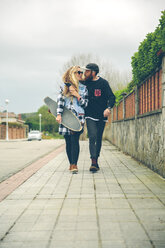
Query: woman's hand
[
  {"x": 59, "y": 119},
  {"x": 73, "y": 92},
  {"x": 107, "y": 112}
]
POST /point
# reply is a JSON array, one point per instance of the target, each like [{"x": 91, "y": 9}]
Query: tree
[{"x": 48, "y": 120}]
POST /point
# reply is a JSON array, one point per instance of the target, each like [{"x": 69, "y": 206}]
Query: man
[{"x": 100, "y": 100}]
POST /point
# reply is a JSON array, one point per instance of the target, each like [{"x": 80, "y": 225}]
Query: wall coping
[{"x": 158, "y": 111}]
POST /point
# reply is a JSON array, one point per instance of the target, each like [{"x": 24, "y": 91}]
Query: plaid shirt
[{"x": 83, "y": 102}]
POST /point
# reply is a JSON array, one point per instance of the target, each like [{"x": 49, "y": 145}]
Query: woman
[{"x": 74, "y": 97}]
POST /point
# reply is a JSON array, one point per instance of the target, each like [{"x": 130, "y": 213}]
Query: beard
[{"x": 89, "y": 78}]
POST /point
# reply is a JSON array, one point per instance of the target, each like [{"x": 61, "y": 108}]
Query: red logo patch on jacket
[{"x": 97, "y": 92}]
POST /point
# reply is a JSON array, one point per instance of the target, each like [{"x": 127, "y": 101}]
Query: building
[{"x": 16, "y": 129}]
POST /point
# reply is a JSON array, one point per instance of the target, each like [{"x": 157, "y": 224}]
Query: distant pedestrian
[
  {"x": 74, "y": 96},
  {"x": 100, "y": 100}
]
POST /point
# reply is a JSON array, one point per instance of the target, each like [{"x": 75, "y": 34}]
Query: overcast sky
[{"x": 37, "y": 37}]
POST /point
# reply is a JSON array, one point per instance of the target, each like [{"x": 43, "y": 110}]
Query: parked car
[{"x": 34, "y": 135}]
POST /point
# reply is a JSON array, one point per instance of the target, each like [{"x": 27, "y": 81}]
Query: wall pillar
[
  {"x": 136, "y": 102},
  {"x": 123, "y": 108},
  {"x": 136, "y": 120}
]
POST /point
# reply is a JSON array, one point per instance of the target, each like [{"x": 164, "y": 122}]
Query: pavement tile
[
  {"x": 35, "y": 244},
  {"x": 155, "y": 226},
  {"x": 139, "y": 244},
  {"x": 66, "y": 226},
  {"x": 62, "y": 244},
  {"x": 38, "y": 235},
  {"x": 69, "y": 211},
  {"x": 86, "y": 244},
  {"x": 113, "y": 244},
  {"x": 87, "y": 211},
  {"x": 146, "y": 203},
  {"x": 157, "y": 235},
  {"x": 68, "y": 218},
  {"x": 86, "y": 218},
  {"x": 152, "y": 215},
  {"x": 92, "y": 225},
  {"x": 24, "y": 227},
  {"x": 16, "y": 237},
  {"x": 159, "y": 244},
  {"x": 133, "y": 231},
  {"x": 42, "y": 226},
  {"x": 112, "y": 232},
  {"x": 28, "y": 218},
  {"x": 63, "y": 235},
  {"x": 125, "y": 215},
  {"x": 11, "y": 244},
  {"x": 86, "y": 235},
  {"x": 112, "y": 203},
  {"x": 109, "y": 226}
]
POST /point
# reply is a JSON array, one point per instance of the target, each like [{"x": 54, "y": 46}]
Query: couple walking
[{"x": 89, "y": 98}]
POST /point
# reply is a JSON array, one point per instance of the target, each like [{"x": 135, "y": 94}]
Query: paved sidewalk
[{"x": 121, "y": 206}]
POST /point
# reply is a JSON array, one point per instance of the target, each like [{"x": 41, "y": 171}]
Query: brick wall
[
  {"x": 130, "y": 105},
  {"x": 2, "y": 132},
  {"x": 150, "y": 93},
  {"x": 120, "y": 111},
  {"x": 13, "y": 132},
  {"x": 114, "y": 113},
  {"x": 110, "y": 117}
]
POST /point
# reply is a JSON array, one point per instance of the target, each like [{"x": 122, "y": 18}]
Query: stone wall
[{"x": 142, "y": 136}]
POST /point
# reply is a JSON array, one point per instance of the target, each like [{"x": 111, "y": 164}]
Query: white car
[{"x": 34, "y": 135}]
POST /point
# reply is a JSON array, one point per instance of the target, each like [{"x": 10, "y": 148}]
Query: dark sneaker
[
  {"x": 98, "y": 168},
  {"x": 94, "y": 168}
]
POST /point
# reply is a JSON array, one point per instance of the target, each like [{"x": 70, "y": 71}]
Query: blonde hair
[{"x": 70, "y": 77}]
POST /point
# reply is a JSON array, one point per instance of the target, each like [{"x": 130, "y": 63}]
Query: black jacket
[{"x": 100, "y": 97}]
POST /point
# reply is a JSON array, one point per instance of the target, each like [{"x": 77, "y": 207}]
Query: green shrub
[{"x": 146, "y": 60}]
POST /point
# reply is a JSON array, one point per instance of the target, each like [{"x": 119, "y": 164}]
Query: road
[{"x": 16, "y": 155}]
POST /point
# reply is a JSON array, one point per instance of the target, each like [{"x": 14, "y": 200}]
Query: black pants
[
  {"x": 72, "y": 147},
  {"x": 95, "y": 133}
]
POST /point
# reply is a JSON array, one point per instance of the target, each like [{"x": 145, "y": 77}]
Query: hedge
[{"x": 146, "y": 60}]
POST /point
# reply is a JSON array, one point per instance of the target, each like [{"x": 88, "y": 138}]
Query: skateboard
[{"x": 69, "y": 119}]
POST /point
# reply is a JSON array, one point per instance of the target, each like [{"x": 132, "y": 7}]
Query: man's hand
[
  {"x": 59, "y": 119},
  {"x": 73, "y": 92},
  {"x": 107, "y": 112}
]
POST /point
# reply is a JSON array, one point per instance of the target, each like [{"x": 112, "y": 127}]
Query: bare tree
[
  {"x": 118, "y": 79},
  {"x": 81, "y": 59}
]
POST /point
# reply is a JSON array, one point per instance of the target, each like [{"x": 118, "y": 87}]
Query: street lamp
[
  {"x": 7, "y": 102},
  {"x": 40, "y": 121}
]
